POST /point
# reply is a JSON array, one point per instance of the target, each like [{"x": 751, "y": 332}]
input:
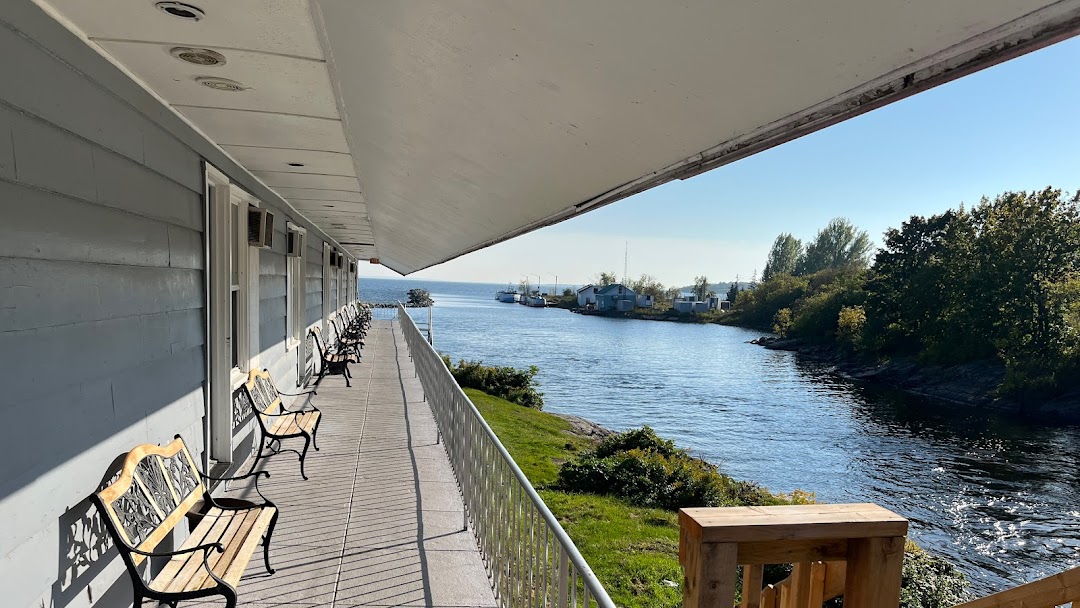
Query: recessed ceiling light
[
  {"x": 181, "y": 10},
  {"x": 220, "y": 84},
  {"x": 204, "y": 57},
  {"x": 296, "y": 164}
]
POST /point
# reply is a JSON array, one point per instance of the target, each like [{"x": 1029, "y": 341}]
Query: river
[{"x": 998, "y": 497}]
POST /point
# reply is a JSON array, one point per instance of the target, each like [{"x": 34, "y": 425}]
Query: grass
[{"x": 633, "y": 550}]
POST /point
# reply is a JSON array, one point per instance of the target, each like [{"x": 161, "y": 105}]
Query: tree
[
  {"x": 733, "y": 291},
  {"x": 701, "y": 286},
  {"x": 647, "y": 285},
  {"x": 783, "y": 257},
  {"x": 1028, "y": 252},
  {"x": 838, "y": 245},
  {"x": 568, "y": 292},
  {"x": 605, "y": 278},
  {"x": 420, "y": 297}
]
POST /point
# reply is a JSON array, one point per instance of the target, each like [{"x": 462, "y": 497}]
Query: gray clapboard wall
[
  {"x": 101, "y": 316},
  {"x": 102, "y": 300}
]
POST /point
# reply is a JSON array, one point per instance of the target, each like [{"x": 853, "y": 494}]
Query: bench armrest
[
  {"x": 300, "y": 410},
  {"x": 255, "y": 474},
  {"x": 207, "y": 547},
  {"x": 309, "y": 392}
]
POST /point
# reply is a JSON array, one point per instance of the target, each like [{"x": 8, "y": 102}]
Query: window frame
[{"x": 296, "y": 292}]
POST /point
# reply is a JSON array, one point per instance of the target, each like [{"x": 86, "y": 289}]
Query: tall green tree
[
  {"x": 648, "y": 285},
  {"x": 783, "y": 257},
  {"x": 701, "y": 286},
  {"x": 1028, "y": 251},
  {"x": 733, "y": 291},
  {"x": 917, "y": 300},
  {"x": 838, "y": 245}
]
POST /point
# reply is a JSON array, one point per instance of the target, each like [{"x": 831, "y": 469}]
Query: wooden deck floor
[{"x": 379, "y": 523}]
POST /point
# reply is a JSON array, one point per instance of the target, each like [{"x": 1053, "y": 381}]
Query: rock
[{"x": 583, "y": 427}]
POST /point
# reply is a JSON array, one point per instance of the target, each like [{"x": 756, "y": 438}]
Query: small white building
[
  {"x": 586, "y": 296},
  {"x": 644, "y": 301}
]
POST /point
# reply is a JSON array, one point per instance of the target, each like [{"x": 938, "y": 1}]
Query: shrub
[
  {"x": 929, "y": 581},
  {"x": 782, "y": 322},
  {"x": 849, "y": 326},
  {"x": 650, "y": 471},
  {"x": 514, "y": 385}
]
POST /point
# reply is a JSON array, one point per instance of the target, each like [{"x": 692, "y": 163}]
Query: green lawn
[{"x": 633, "y": 550}]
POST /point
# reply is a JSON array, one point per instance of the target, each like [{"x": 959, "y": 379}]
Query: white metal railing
[{"x": 529, "y": 557}]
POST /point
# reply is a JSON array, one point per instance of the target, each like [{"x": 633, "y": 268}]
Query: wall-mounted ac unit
[
  {"x": 352, "y": 267},
  {"x": 295, "y": 244},
  {"x": 260, "y": 227},
  {"x": 333, "y": 258}
]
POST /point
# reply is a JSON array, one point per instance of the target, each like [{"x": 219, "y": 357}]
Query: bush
[
  {"x": 929, "y": 581},
  {"x": 515, "y": 385},
  {"x": 650, "y": 471},
  {"x": 849, "y": 326},
  {"x": 782, "y": 322}
]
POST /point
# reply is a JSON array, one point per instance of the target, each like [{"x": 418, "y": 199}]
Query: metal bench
[
  {"x": 332, "y": 361},
  {"x": 277, "y": 422},
  {"x": 157, "y": 488}
]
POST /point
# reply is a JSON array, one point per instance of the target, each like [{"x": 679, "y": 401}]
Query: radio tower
[{"x": 626, "y": 263}]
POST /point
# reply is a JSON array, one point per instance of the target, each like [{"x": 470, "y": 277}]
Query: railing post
[{"x": 864, "y": 540}]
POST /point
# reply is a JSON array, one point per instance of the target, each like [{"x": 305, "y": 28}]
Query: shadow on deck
[{"x": 380, "y": 522}]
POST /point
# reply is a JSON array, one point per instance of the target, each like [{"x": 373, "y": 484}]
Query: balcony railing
[{"x": 529, "y": 557}]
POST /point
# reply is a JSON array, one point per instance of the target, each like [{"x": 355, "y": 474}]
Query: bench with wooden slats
[
  {"x": 332, "y": 361},
  {"x": 277, "y": 422},
  {"x": 158, "y": 487}
]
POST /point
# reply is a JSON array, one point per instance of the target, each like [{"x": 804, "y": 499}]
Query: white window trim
[
  {"x": 326, "y": 249},
  {"x": 296, "y": 296},
  {"x": 225, "y": 380}
]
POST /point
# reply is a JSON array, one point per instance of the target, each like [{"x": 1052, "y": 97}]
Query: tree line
[{"x": 1000, "y": 281}]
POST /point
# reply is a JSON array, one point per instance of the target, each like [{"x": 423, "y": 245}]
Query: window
[
  {"x": 232, "y": 311},
  {"x": 296, "y": 290}
]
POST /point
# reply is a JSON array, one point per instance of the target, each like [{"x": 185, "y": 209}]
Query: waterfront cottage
[
  {"x": 616, "y": 298},
  {"x": 586, "y": 296}
]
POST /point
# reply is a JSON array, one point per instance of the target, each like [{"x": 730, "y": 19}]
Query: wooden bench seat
[
  {"x": 157, "y": 488},
  {"x": 332, "y": 361},
  {"x": 277, "y": 422},
  {"x": 238, "y": 531}
]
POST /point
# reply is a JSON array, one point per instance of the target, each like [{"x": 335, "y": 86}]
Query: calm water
[{"x": 999, "y": 497}]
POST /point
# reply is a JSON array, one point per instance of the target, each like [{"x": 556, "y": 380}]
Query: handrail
[
  {"x": 530, "y": 559},
  {"x": 1051, "y": 591}
]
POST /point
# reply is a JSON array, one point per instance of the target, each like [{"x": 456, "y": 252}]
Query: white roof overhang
[{"x": 430, "y": 129}]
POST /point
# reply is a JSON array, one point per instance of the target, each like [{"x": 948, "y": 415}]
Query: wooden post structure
[{"x": 858, "y": 548}]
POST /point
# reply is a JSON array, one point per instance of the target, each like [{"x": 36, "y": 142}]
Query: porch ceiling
[{"x": 428, "y": 129}]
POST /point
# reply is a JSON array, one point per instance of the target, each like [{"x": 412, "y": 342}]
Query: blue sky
[{"x": 1015, "y": 126}]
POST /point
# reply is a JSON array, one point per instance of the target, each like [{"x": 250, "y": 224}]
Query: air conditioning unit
[
  {"x": 352, "y": 267},
  {"x": 340, "y": 261},
  {"x": 333, "y": 258},
  {"x": 295, "y": 244},
  {"x": 260, "y": 227}
]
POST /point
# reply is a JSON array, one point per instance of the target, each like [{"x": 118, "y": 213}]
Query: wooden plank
[
  {"x": 835, "y": 579},
  {"x": 1055, "y": 590},
  {"x": 753, "y": 576},
  {"x": 193, "y": 564},
  {"x": 800, "y": 585},
  {"x": 792, "y": 551},
  {"x": 175, "y": 565},
  {"x": 795, "y": 522},
  {"x": 243, "y": 555},
  {"x": 874, "y": 571},
  {"x": 709, "y": 570},
  {"x": 232, "y": 540},
  {"x": 817, "y": 584},
  {"x": 768, "y": 597}
]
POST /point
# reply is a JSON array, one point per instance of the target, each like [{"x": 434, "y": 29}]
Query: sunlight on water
[{"x": 998, "y": 497}]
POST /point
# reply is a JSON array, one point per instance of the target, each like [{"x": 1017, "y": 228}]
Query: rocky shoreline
[{"x": 969, "y": 384}]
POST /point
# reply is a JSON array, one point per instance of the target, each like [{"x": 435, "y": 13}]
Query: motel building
[{"x": 188, "y": 191}]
